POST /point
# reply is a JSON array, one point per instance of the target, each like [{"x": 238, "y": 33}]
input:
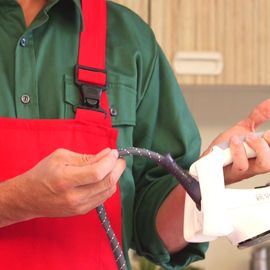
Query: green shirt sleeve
[{"x": 164, "y": 124}]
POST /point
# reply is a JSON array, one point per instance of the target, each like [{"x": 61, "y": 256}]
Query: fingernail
[{"x": 115, "y": 153}]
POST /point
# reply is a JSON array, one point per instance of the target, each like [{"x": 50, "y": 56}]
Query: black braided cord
[
  {"x": 115, "y": 245},
  {"x": 189, "y": 183}
]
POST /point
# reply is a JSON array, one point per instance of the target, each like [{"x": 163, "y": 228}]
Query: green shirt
[{"x": 36, "y": 81}]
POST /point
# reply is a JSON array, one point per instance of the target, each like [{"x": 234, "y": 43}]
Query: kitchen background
[{"x": 220, "y": 52}]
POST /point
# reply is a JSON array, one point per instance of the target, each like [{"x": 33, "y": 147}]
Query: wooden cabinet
[
  {"x": 141, "y": 7},
  {"x": 237, "y": 29}
]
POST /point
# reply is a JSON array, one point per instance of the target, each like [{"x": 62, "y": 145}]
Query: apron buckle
[{"x": 90, "y": 92}]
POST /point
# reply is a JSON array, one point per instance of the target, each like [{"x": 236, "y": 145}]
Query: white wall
[{"x": 216, "y": 108}]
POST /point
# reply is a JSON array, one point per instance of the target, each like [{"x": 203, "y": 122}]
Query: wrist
[{"x": 14, "y": 205}]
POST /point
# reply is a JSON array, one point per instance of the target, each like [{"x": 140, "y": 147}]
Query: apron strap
[{"x": 90, "y": 72}]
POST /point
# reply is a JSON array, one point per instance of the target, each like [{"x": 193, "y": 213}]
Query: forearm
[
  {"x": 170, "y": 219},
  {"x": 13, "y": 202}
]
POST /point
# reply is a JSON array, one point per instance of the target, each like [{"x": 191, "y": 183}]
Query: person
[{"x": 55, "y": 170}]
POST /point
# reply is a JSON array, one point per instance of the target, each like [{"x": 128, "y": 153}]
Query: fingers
[
  {"x": 236, "y": 171},
  {"x": 106, "y": 182},
  {"x": 242, "y": 167},
  {"x": 260, "y": 114},
  {"x": 261, "y": 147},
  {"x": 266, "y": 136},
  {"x": 99, "y": 156},
  {"x": 240, "y": 161},
  {"x": 93, "y": 172},
  {"x": 87, "y": 197},
  {"x": 63, "y": 189},
  {"x": 104, "y": 188},
  {"x": 76, "y": 159}
]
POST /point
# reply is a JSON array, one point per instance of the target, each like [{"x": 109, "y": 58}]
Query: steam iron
[{"x": 241, "y": 215}]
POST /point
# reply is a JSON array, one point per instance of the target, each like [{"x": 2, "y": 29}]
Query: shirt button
[
  {"x": 113, "y": 111},
  {"x": 23, "y": 41},
  {"x": 25, "y": 99}
]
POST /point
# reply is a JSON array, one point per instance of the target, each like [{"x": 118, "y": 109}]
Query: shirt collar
[
  {"x": 79, "y": 6},
  {"x": 77, "y": 3},
  {"x": 53, "y": 2}
]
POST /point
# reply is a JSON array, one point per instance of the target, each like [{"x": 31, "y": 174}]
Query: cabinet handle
[{"x": 198, "y": 63}]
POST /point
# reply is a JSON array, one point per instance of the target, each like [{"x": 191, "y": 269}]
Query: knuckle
[
  {"x": 59, "y": 152},
  {"x": 85, "y": 158},
  {"x": 111, "y": 191},
  {"x": 72, "y": 203},
  {"x": 109, "y": 182},
  {"x": 263, "y": 165},
  {"x": 114, "y": 188},
  {"x": 60, "y": 182},
  {"x": 56, "y": 182},
  {"x": 57, "y": 155},
  {"x": 97, "y": 175},
  {"x": 59, "y": 172},
  {"x": 59, "y": 185},
  {"x": 83, "y": 211},
  {"x": 63, "y": 173},
  {"x": 243, "y": 167}
]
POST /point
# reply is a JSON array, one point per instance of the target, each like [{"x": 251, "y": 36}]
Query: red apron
[{"x": 72, "y": 243}]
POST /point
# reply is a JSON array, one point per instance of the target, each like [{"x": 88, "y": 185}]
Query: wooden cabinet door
[
  {"x": 141, "y": 7},
  {"x": 238, "y": 29}
]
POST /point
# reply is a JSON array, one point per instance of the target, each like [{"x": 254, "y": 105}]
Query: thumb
[
  {"x": 259, "y": 115},
  {"x": 77, "y": 159}
]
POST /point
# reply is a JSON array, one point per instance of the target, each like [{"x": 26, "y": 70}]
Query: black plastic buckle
[{"x": 90, "y": 93}]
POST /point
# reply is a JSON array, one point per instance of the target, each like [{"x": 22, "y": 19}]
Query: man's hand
[
  {"x": 63, "y": 184},
  {"x": 242, "y": 167}
]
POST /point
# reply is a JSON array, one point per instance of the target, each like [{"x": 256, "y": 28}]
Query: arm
[
  {"x": 169, "y": 225},
  {"x": 167, "y": 127}
]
